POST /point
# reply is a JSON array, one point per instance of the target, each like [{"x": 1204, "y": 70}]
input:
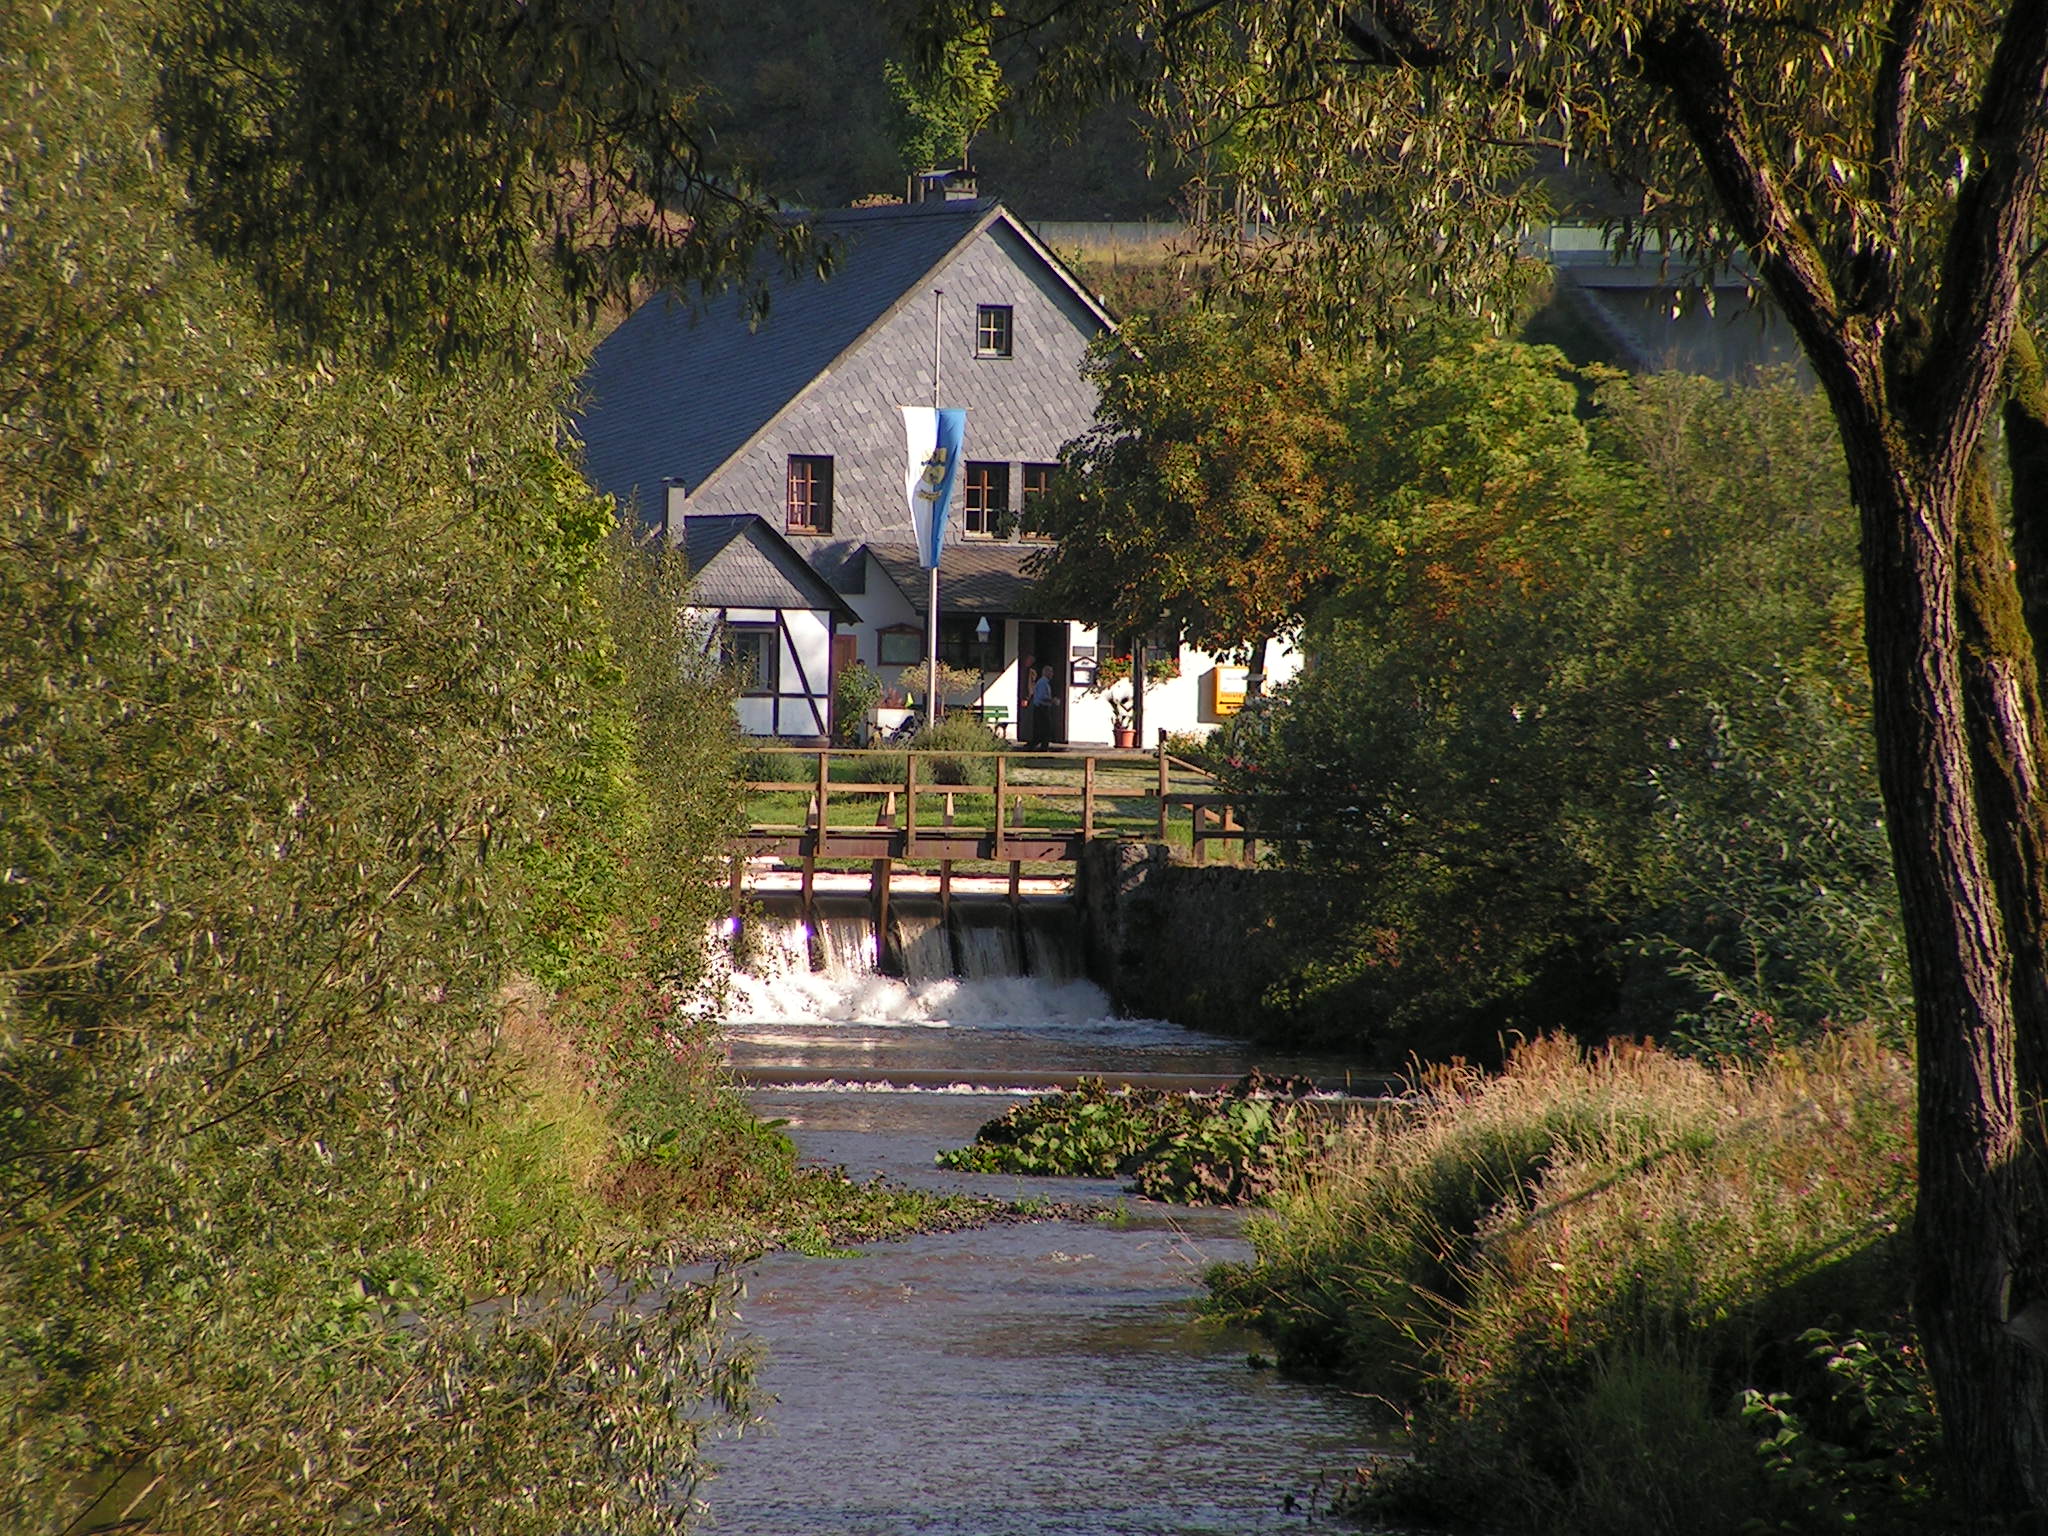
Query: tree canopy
[
  {"x": 1201, "y": 499},
  {"x": 400, "y": 169},
  {"x": 1878, "y": 165},
  {"x": 339, "y": 916}
]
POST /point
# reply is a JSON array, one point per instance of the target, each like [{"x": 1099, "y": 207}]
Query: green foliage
[
  {"x": 854, "y": 692},
  {"x": 1547, "y": 746},
  {"x": 946, "y": 100},
  {"x": 1568, "y": 1272},
  {"x": 330, "y": 707},
  {"x": 1213, "y": 1149},
  {"x": 1856, "y": 1448},
  {"x": 1202, "y": 498},
  {"x": 408, "y": 171},
  {"x": 960, "y": 746},
  {"x": 954, "y": 682}
]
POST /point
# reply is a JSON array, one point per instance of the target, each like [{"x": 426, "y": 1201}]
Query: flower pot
[{"x": 1126, "y": 736}]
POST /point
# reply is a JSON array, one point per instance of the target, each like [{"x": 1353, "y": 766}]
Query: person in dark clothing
[{"x": 1041, "y": 709}]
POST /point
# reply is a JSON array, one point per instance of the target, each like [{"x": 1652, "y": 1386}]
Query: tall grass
[{"x": 1570, "y": 1271}]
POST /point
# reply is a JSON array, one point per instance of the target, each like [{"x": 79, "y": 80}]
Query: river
[{"x": 1045, "y": 1378}]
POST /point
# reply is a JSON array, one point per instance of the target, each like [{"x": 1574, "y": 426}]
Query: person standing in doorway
[{"x": 1041, "y": 709}]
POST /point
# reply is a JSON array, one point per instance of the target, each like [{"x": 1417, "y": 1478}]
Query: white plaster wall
[
  {"x": 1174, "y": 705},
  {"x": 808, "y": 640}
]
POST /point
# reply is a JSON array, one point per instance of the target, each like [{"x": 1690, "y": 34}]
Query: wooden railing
[
  {"x": 919, "y": 800},
  {"x": 919, "y": 817}
]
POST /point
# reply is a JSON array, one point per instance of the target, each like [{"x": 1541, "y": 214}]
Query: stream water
[{"x": 1046, "y": 1378}]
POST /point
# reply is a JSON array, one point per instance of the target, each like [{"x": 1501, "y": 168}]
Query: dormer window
[
  {"x": 992, "y": 331},
  {"x": 809, "y": 493}
]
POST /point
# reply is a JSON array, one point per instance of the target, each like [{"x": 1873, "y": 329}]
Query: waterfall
[
  {"x": 846, "y": 936},
  {"x": 986, "y": 965},
  {"x": 985, "y": 935},
  {"x": 1052, "y": 940},
  {"x": 923, "y": 949}
]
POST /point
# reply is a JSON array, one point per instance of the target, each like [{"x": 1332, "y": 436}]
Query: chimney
[{"x": 952, "y": 186}]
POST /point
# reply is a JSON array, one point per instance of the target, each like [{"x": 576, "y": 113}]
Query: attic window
[
  {"x": 809, "y": 498},
  {"x": 992, "y": 331}
]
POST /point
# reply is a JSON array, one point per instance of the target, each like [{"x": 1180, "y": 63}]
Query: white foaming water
[{"x": 779, "y": 987}]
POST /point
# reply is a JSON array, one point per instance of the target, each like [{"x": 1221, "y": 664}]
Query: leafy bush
[
  {"x": 1197, "y": 747},
  {"x": 1217, "y": 1149},
  {"x": 1779, "y": 912},
  {"x": 854, "y": 692},
  {"x": 1553, "y": 710},
  {"x": 343, "y": 923},
  {"x": 1547, "y": 1265},
  {"x": 950, "y": 738}
]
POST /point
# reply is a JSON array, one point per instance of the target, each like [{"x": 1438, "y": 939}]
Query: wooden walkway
[
  {"x": 1039, "y": 808},
  {"x": 852, "y": 813}
]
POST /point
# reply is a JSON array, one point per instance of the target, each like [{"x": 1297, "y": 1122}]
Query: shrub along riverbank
[
  {"x": 359, "y": 794},
  {"x": 1620, "y": 1292},
  {"x": 1608, "y": 1292}
]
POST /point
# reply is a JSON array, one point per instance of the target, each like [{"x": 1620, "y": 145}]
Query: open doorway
[{"x": 1042, "y": 645}]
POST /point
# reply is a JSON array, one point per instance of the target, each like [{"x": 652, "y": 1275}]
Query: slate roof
[
  {"x": 738, "y": 560},
  {"x": 736, "y": 376},
  {"x": 987, "y": 579}
]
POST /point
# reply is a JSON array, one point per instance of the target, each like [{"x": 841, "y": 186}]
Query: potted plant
[{"x": 1122, "y": 711}]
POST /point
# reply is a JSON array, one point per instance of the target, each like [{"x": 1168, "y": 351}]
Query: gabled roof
[
  {"x": 738, "y": 560},
  {"x": 677, "y": 390},
  {"x": 992, "y": 579}
]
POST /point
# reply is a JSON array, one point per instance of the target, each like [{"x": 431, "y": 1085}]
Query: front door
[{"x": 1042, "y": 645}]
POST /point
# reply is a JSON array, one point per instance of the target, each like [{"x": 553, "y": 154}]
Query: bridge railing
[{"x": 877, "y": 803}]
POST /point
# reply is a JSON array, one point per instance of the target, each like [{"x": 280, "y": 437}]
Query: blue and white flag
[{"x": 935, "y": 435}]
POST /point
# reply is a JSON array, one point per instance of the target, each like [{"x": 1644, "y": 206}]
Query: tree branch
[
  {"x": 1689, "y": 63},
  {"x": 1978, "y": 304},
  {"x": 1387, "y": 34},
  {"x": 1890, "y": 112}
]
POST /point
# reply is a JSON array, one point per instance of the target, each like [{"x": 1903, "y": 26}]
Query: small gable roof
[
  {"x": 678, "y": 388},
  {"x": 738, "y": 560},
  {"x": 993, "y": 579}
]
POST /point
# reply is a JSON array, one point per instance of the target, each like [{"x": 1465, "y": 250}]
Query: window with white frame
[
  {"x": 992, "y": 334},
  {"x": 753, "y": 655}
]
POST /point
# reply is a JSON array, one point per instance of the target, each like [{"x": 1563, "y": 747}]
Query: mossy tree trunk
[{"x": 1913, "y": 381}]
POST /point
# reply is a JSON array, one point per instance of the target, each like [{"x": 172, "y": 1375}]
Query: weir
[{"x": 919, "y": 938}]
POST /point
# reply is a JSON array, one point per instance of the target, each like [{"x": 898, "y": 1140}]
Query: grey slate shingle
[
  {"x": 987, "y": 578},
  {"x": 736, "y": 376},
  {"x": 737, "y": 560}
]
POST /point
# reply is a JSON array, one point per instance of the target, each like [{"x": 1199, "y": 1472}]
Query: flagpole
[{"x": 935, "y": 704}]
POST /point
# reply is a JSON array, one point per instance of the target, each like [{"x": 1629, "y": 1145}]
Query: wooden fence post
[
  {"x": 1002, "y": 785},
  {"x": 910, "y": 808},
  {"x": 1162, "y": 788}
]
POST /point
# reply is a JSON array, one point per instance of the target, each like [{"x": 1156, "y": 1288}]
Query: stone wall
[{"x": 1199, "y": 945}]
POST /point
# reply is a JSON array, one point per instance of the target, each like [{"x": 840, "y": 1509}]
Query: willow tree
[{"x": 1878, "y": 165}]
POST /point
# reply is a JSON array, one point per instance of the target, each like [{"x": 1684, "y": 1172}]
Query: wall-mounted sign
[
  {"x": 1081, "y": 672},
  {"x": 1226, "y": 687}
]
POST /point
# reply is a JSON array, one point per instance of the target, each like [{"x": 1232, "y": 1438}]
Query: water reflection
[
  {"x": 1043, "y": 1378},
  {"x": 1035, "y": 1379}
]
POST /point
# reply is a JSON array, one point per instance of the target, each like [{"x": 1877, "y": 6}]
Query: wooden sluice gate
[{"x": 1033, "y": 809}]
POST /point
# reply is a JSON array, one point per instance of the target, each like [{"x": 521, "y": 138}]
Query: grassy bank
[
  {"x": 1620, "y": 1292},
  {"x": 660, "y": 1151}
]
